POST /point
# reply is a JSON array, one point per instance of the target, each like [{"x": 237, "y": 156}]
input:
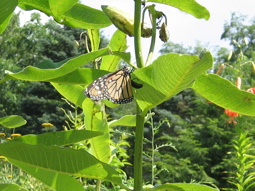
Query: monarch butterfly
[{"x": 115, "y": 86}]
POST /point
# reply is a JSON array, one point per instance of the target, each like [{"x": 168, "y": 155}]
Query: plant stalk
[
  {"x": 153, "y": 37},
  {"x": 139, "y": 131},
  {"x": 137, "y": 34},
  {"x": 138, "y": 175},
  {"x": 152, "y": 152}
]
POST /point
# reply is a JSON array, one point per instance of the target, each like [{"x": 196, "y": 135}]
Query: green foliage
[
  {"x": 188, "y": 6},
  {"x": 37, "y": 102},
  {"x": 7, "y": 8},
  {"x": 55, "y": 59},
  {"x": 12, "y": 121},
  {"x": 242, "y": 176},
  {"x": 240, "y": 36},
  {"x": 72, "y": 14},
  {"x": 211, "y": 91},
  {"x": 167, "y": 76},
  {"x": 179, "y": 48},
  {"x": 198, "y": 132}
]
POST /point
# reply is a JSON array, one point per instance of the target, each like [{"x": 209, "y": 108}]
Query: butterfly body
[{"x": 115, "y": 86}]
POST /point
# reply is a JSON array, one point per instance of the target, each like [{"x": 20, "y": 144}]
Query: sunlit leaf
[
  {"x": 11, "y": 187},
  {"x": 182, "y": 187},
  {"x": 168, "y": 75},
  {"x": 69, "y": 13},
  {"x": 57, "y": 181},
  {"x": 94, "y": 37},
  {"x": 127, "y": 120},
  {"x": 6, "y": 9},
  {"x": 12, "y": 121},
  {"x": 188, "y": 6},
  {"x": 221, "y": 92},
  {"x": 61, "y": 160},
  {"x": 118, "y": 43},
  {"x": 55, "y": 70},
  {"x": 58, "y": 138},
  {"x": 95, "y": 120},
  {"x": 73, "y": 93}
]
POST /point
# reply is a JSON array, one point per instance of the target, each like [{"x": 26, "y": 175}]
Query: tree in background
[
  {"x": 37, "y": 102},
  {"x": 240, "y": 34}
]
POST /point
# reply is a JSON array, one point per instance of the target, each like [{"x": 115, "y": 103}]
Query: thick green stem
[
  {"x": 138, "y": 175},
  {"x": 137, "y": 34},
  {"x": 98, "y": 185},
  {"x": 152, "y": 151}
]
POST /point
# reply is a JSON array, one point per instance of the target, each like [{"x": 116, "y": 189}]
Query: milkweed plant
[{"x": 47, "y": 156}]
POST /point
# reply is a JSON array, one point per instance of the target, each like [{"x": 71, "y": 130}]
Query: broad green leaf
[
  {"x": 94, "y": 36},
  {"x": 6, "y": 9},
  {"x": 118, "y": 43},
  {"x": 60, "y": 7},
  {"x": 73, "y": 93},
  {"x": 69, "y": 13},
  {"x": 5, "y": 23},
  {"x": 125, "y": 56},
  {"x": 11, "y": 187},
  {"x": 41, "y": 5},
  {"x": 182, "y": 187},
  {"x": 127, "y": 120},
  {"x": 57, "y": 181},
  {"x": 12, "y": 121},
  {"x": 80, "y": 76},
  {"x": 85, "y": 17},
  {"x": 95, "y": 120},
  {"x": 88, "y": 107},
  {"x": 65, "y": 85},
  {"x": 221, "y": 92},
  {"x": 167, "y": 76},
  {"x": 31, "y": 73},
  {"x": 188, "y": 6},
  {"x": 59, "y": 138},
  {"x": 60, "y": 160}
]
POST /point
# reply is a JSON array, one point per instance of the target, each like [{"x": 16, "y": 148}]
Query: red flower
[
  {"x": 232, "y": 116},
  {"x": 251, "y": 90},
  {"x": 231, "y": 113}
]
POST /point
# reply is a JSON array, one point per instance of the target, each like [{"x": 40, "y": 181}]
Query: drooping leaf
[
  {"x": 57, "y": 70},
  {"x": 57, "y": 181},
  {"x": 94, "y": 36},
  {"x": 69, "y": 13},
  {"x": 167, "y": 76},
  {"x": 127, "y": 120},
  {"x": 182, "y": 187},
  {"x": 66, "y": 85},
  {"x": 188, "y": 6},
  {"x": 60, "y": 7},
  {"x": 79, "y": 76},
  {"x": 6, "y": 9},
  {"x": 118, "y": 43},
  {"x": 11, "y": 187},
  {"x": 59, "y": 138},
  {"x": 221, "y": 92},
  {"x": 95, "y": 120},
  {"x": 12, "y": 121},
  {"x": 73, "y": 93},
  {"x": 61, "y": 160}
]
